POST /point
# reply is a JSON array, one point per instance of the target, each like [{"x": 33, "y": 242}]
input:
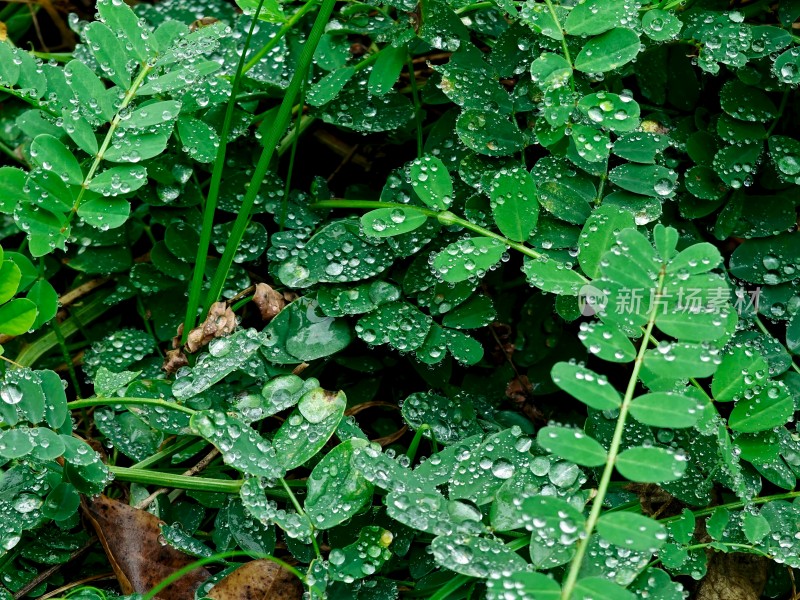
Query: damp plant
[{"x": 442, "y": 300}]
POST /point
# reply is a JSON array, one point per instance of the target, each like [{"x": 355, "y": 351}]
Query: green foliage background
[{"x": 492, "y": 435}]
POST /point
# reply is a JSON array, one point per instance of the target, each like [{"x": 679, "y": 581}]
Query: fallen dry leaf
[
  {"x": 221, "y": 321},
  {"x": 3, "y": 32},
  {"x": 268, "y": 301},
  {"x": 174, "y": 360},
  {"x": 140, "y": 561},
  {"x": 258, "y": 580},
  {"x": 734, "y": 577}
]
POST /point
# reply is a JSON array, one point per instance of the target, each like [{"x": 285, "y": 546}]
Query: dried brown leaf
[
  {"x": 258, "y": 580},
  {"x": 174, "y": 360},
  {"x": 734, "y": 577},
  {"x": 221, "y": 321},
  {"x": 268, "y": 301},
  {"x": 140, "y": 561}
]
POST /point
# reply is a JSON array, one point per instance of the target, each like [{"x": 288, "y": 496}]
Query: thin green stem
[
  {"x": 417, "y": 104},
  {"x": 270, "y": 144},
  {"x": 414, "y": 445},
  {"x": 292, "y": 154},
  {"x": 613, "y": 450},
  {"x": 98, "y": 158},
  {"x": 737, "y": 505},
  {"x": 765, "y": 331},
  {"x": 127, "y": 401},
  {"x": 285, "y": 28},
  {"x": 445, "y": 218},
  {"x": 184, "y": 482},
  {"x": 564, "y": 46},
  {"x": 210, "y": 208},
  {"x": 781, "y": 108},
  {"x": 168, "y": 451},
  {"x": 10, "y": 153},
  {"x": 62, "y": 344},
  {"x": 302, "y": 513}
]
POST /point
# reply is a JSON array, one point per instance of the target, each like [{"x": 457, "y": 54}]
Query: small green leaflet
[
  {"x": 514, "y": 203},
  {"x": 585, "y": 385},
  {"x": 387, "y": 69},
  {"x": 632, "y": 531},
  {"x": 388, "y": 222},
  {"x": 573, "y": 445},
  {"x": 599, "y": 235},
  {"x": 51, "y": 155},
  {"x": 552, "y": 276},
  {"x": 431, "y": 182},
  {"x": 650, "y": 464},
  {"x": 770, "y": 407},
  {"x": 665, "y": 409},
  {"x": 608, "y": 51},
  {"x": 468, "y": 258}
]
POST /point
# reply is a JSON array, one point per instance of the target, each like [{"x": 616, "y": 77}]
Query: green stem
[
  {"x": 129, "y": 96},
  {"x": 302, "y": 513},
  {"x": 417, "y": 104},
  {"x": 169, "y": 451},
  {"x": 564, "y": 46},
  {"x": 210, "y": 208},
  {"x": 737, "y": 505},
  {"x": 414, "y": 445},
  {"x": 174, "y": 480},
  {"x": 270, "y": 144},
  {"x": 781, "y": 108},
  {"x": 765, "y": 331},
  {"x": 10, "y": 153},
  {"x": 285, "y": 28},
  {"x": 445, "y": 218},
  {"x": 35, "y": 102},
  {"x": 613, "y": 451},
  {"x": 140, "y": 401}
]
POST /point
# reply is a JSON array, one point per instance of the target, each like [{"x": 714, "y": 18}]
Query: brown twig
[
  {"x": 193, "y": 471},
  {"x": 44, "y": 575}
]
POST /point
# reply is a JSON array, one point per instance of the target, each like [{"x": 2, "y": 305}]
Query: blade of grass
[
  {"x": 213, "y": 191},
  {"x": 270, "y": 144}
]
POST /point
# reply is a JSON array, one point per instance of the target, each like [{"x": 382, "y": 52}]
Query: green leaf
[
  {"x": 745, "y": 102},
  {"x": 666, "y": 409},
  {"x": 398, "y": 324},
  {"x": 180, "y": 78},
  {"x": 154, "y": 113},
  {"x": 565, "y": 201},
  {"x": 241, "y": 446},
  {"x": 736, "y": 164},
  {"x": 15, "y": 443},
  {"x": 12, "y": 184},
  {"x": 598, "y": 236},
  {"x": 606, "y": 341},
  {"x": 599, "y": 588},
  {"x": 557, "y": 529},
  {"x": 62, "y": 502},
  {"x": 123, "y": 22},
  {"x": 632, "y": 531},
  {"x": 769, "y": 260},
  {"x": 298, "y": 439},
  {"x": 771, "y": 406},
  {"x": 588, "y": 144},
  {"x": 388, "y": 222},
  {"x": 46, "y": 299},
  {"x": 650, "y": 464},
  {"x": 787, "y": 67},
  {"x": 200, "y": 140},
  {"x": 327, "y": 88},
  {"x": 661, "y": 25},
  {"x": 596, "y": 16},
  {"x": 550, "y": 71},
  {"x": 17, "y": 316},
  {"x": 612, "y": 111},
  {"x": 489, "y": 133},
  {"x": 119, "y": 180},
  {"x": 573, "y": 445},
  {"x": 641, "y": 147},
  {"x": 585, "y": 385},
  {"x": 270, "y": 11},
  {"x": 608, "y": 51},
  {"x": 648, "y": 180},
  {"x": 514, "y": 203},
  {"x": 431, "y": 182},
  {"x": 51, "y": 155},
  {"x": 387, "y": 69},
  {"x": 468, "y": 258},
  {"x": 80, "y": 131},
  {"x": 526, "y": 585},
  {"x": 552, "y": 276},
  {"x": 785, "y": 154},
  {"x": 335, "y": 490},
  {"x": 677, "y": 360},
  {"x": 474, "y": 556},
  {"x": 363, "y": 557},
  {"x": 476, "y": 312},
  {"x": 449, "y": 420},
  {"x": 10, "y": 277},
  {"x": 137, "y": 145},
  {"x": 107, "y": 49},
  {"x": 9, "y": 66}
]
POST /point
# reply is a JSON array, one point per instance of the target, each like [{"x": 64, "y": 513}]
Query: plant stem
[
  {"x": 169, "y": 451},
  {"x": 564, "y": 46},
  {"x": 302, "y": 513},
  {"x": 210, "y": 207},
  {"x": 98, "y": 158},
  {"x": 143, "y": 401},
  {"x": 285, "y": 28},
  {"x": 270, "y": 144},
  {"x": 414, "y": 445},
  {"x": 184, "y": 482},
  {"x": 445, "y": 218},
  {"x": 613, "y": 450}
]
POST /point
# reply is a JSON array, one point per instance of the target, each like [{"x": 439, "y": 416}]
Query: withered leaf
[
  {"x": 140, "y": 561},
  {"x": 221, "y": 321},
  {"x": 268, "y": 301},
  {"x": 258, "y": 580}
]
